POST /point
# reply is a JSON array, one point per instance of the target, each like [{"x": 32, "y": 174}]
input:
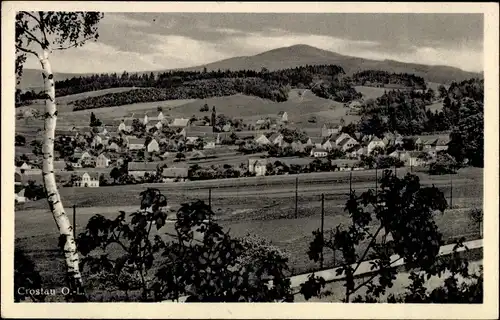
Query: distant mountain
[{"x": 300, "y": 55}]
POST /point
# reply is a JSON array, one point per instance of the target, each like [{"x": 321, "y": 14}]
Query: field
[
  {"x": 262, "y": 206},
  {"x": 370, "y": 92}
]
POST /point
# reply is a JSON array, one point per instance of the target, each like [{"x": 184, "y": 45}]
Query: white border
[{"x": 488, "y": 310}]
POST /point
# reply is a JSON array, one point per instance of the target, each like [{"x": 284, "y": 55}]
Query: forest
[{"x": 386, "y": 79}]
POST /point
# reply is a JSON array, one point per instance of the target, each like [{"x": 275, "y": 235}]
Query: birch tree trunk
[{"x": 53, "y": 198}]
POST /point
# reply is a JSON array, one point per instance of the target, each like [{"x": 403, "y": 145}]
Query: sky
[{"x": 159, "y": 41}]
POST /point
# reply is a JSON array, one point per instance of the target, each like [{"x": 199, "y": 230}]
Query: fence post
[
  {"x": 451, "y": 191},
  {"x": 210, "y": 205},
  {"x": 350, "y": 183},
  {"x": 296, "y": 196},
  {"x": 74, "y": 222},
  {"x": 322, "y": 227}
]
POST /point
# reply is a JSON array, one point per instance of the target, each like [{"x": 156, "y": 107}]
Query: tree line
[
  {"x": 197, "y": 89},
  {"x": 383, "y": 78}
]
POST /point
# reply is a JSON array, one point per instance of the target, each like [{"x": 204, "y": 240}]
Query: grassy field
[
  {"x": 438, "y": 106},
  {"x": 244, "y": 206},
  {"x": 370, "y": 92}
]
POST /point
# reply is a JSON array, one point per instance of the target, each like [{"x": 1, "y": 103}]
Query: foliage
[
  {"x": 94, "y": 122},
  {"x": 26, "y": 277},
  {"x": 37, "y": 147},
  {"x": 202, "y": 261},
  {"x": 34, "y": 191},
  {"x": 386, "y": 162},
  {"x": 386, "y": 79},
  {"x": 20, "y": 140},
  {"x": 444, "y": 164},
  {"x": 402, "y": 209}
]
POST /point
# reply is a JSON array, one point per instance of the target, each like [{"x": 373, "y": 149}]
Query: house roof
[
  {"x": 199, "y": 123},
  {"x": 153, "y": 122},
  {"x": 281, "y": 113},
  {"x": 344, "y": 141},
  {"x": 331, "y": 125},
  {"x": 136, "y": 141},
  {"x": 316, "y": 139},
  {"x": 414, "y": 154},
  {"x": 261, "y": 162},
  {"x": 17, "y": 177},
  {"x": 175, "y": 172},
  {"x": 260, "y": 121},
  {"x": 273, "y": 136},
  {"x": 319, "y": 150},
  {"x": 104, "y": 154},
  {"x": 92, "y": 175},
  {"x": 143, "y": 166},
  {"x": 180, "y": 122},
  {"x": 375, "y": 139},
  {"x": 199, "y": 131}
]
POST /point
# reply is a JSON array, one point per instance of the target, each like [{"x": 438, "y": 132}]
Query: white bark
[{"x": 53, "y": 198}]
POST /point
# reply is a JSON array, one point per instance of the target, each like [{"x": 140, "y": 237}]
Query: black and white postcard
[{"x": 249, "y": 160}]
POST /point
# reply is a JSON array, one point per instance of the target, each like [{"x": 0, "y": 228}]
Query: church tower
[{"x": 212, "y": 120}]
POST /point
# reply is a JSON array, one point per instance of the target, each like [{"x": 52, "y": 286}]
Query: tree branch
[
  {"x": 42, "y": 28},
  {"x": 373, "y": 277},
  {"x": 32, "y": 37},
  {"x": 27, "y": 51},
  {"x": 74, "y": 45},
  {"x": 31, "y": 15},
  {"x": 367, "y": 248}
]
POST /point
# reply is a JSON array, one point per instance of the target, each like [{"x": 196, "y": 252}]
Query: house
[
  {"x": 18, "y": 179},
  {"x": 389, "y": 138},
  {"x": 175, "y": 174},
  {"x": 113, "y": 146},
  {"x": 341, "y": 137},
  {"x": 355, "y": 104},
  {"x": 136, "y": 144},
  {"x": 76, "y": 164},
  {"x": 125, "y": 125},
  {"x": 416, "y": 159},
  {"x": 154, "y": 124},
  {"x": 208, "y": 143},
  {"x": 315, "y": 142},
  {"x": 330, "y": 128},
  {"x": 276, "y": 139},
  {"x": 442, "y": 144},
  {"x": 102, "y": 130},
  {"x": 88, "y": 162},
  {"x": 357, "y": 152},
  {"x": 344, "y": 164},
  {"x": 328, "y": 143},
  {"x": 262, "y": 139},
  {"x": 145, "y": 120},
  {"x": 87, "y": 180},
  {"x": 160, "y": 116},
  {"x": 153, "y": 146},
  {"x": 283, "y": 116},
  {"x": 102, "y": 161},
  {"x": 59, "y": 165},
  {"x": 195, "y": 132},
  {"x": 347, "y": 144},
  {"x": 139, "y": 169},
  {"x": 257, "y": 166},
  {"x": 24, "y": 166},
  {"x": 375, "y": 142},
  {"x": 180, "y": 123},
  {"x": 96, "y": 141},
  {"x": 319, "y": 153},
  {"x": 19, "y": 196}
]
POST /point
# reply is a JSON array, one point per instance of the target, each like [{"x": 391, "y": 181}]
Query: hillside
[
  {"x": 299, "y": 55},
  {"x": 294, "y": 56}
]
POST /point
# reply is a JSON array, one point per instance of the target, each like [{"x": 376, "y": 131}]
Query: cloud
[
  {"x": 118, "y": 19},
  {"x": 141, "y": 51}
]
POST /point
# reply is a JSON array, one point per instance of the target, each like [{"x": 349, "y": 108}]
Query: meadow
[{"x": 260, "y": 206}]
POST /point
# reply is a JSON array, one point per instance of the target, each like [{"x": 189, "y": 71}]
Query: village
[{"x": 156, "y": 149}]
